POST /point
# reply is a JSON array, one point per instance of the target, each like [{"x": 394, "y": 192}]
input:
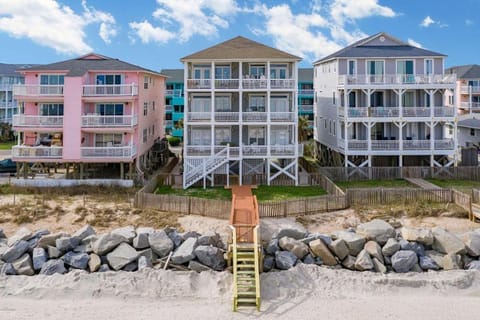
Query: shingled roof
[
  {"x": 81, "y": 65},
  {"x": 174, "y": 75},
  {"x": 305, "y": 74},
  {"x": 240, "y": 48},
  {"x": 470, "y": 71},
  {"x": 7, "y": 69},
  {"x": 362, "y": 49}
]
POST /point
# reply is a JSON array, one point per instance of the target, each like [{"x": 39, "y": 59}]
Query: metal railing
[
  {"x": 199, "y": 84},
  {"x": 22, "y": 120},
  {"x": 110, "y": 90},
  {"x": 254, "y": 83},
  {"x": 382, "y": 112},
  {"x": 168, "y": 108},
  {"x": 366, "y": 79},
  {"x": 282, "y": 116},
  {"x": 245, "y": 150},
  {"x": 385, "y": 145},
  {"x": 108, "y": 152},
  {"x": 470, "y": 105},
  {"x": 199, "y": 116},
  {"x": 29, "y": 152},
  {"x": 395, "y": 145},
  {"x": 227, "y": 83},
  {"x": 226, "y": 116},
  {"x": 305, "y": 108},
  {"x": 91, "y": 121},
  {"x": 282, "y": 84},
  {"x": 174, "y": 93},
  {"x": 254, "y": 116},
  {"x": 29, "y": 90},
  {"x": 306, "y": 92},
  {"x": 470, "y": 89}
]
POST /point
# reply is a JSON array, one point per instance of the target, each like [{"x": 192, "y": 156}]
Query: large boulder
[
  {"x": 23, "y": 265},
  {"x": 339, "y": 248},
  {"x": 447, "y": 242},
  {"x": 160, "y": 243},
  {"x": 65, "y": 244},
  {"x": 210, "y": 239},
  {"x": 474, "y": 265},
  {"x": 7, "y": 269},
  {"x": 435, "y": 256},
  {"x": 53, "y": 266},
  {"x": 84, "y": 232},
  {"x": 147, "y": 253},
  {"x": 354, "y": 242},
  {"x": 272, "y": 247},
  {"x": 185, "y": 252},
  {"x": 53, "y": 252},
  {"x": 94, "y": 262},
  {"x": 50, "y": 239},
  {"x": 176, "y": 238},
  {"x": 106, "y": 243},
  {"x": 349, "y": 262},
  {"x": 390, "y": 247},
  {"x": 278, "y": 228},
  {"x": 141, "y": 240},
  {"x": 121, "y": 256},
  {"x": 427, "y": 263},
  {"x": 285, "y": 260},
  {"x": 197, "y": 266},
  {"x": 418, "y": 248},
  {"x": 423, "y": 236},
  {"x": 472, "y": 243},
  {"x": 22, "y": 234},
  {"x": 452, "y": 261},
  {"x": 76, "y": 260},
  {"x": 210, "y": 256},
  {"x": 404, "y": 260},
  {"x": 363, "y": 261},
  {"x": 39, "y": 257},
  {"x": 144, "y": 263},
  {"x": 374, "y": 250},
  {"x": 298, "y": 248},
  {"x": 15, "y": 251},
  {"x": 377, "y": 230},
  {"x": 378, "y": 266},
  {"x": 314, "y": 236},
  {"x": 127, "y": 232},
  {"x": 295, "y": 233},
  {"x": 319, "y": 249},
  {"x": 268, "y": 263}
]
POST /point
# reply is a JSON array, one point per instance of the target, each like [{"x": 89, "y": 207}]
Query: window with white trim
[
  {"x": 222, "y": 103},
  {"x": 103, "y": 140},
  {"x": 223, "y": 135},
  {"x": 145, "y": 108},
  {"x": 201, "y": 104}
]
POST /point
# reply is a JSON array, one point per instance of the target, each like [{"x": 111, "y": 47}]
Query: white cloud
[
  {"x": 469, "y": 22},
  {"x": 146, "y": 32},
  {"x": 187, "y": 18},
  {"x": 414, "y": 43},
  {"x": 342, "y": 10},
  {"x": 427, "y": 22},
  {"x": 50, "y": 24}
]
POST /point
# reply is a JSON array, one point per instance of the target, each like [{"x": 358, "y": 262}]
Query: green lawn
[
  {"x": 263, "y": 193},
  {"x": 397, "y": 183},
  {"x": 464, "y": 186},
  {"x": 7, "y": 145}
]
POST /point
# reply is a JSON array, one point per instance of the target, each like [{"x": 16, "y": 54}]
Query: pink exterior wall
[{"x": 72, "y": 119}]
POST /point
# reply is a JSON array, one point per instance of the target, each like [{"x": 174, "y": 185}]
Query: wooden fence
[
  {"x": 390, "y": 173},
  {"x": 396, "y": 195}
]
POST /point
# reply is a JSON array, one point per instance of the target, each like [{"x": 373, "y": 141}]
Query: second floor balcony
[
  {"x": 470, "y": 89},
  {"x": 37, "y": 90},
  {"x": 245, "y": 83},
  {"x": 33, "y": 121},
  {"x": 395, "y": 79},
  {"x": 395, "y": 112},
  {"x": 473, "y": 106},
  {"x": 397, "y": 146},
  {"x": 287, "y": 150},
  {"x": 227, "y": 116},
  {"x": 99, "y": 90},
  {"x": 105, "y": 121},
  {"x": 111, "y": 152},
  {"x": 36, "y": 152}
]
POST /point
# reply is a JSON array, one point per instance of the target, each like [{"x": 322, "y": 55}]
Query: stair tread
[{"x": 247, "y": 300}]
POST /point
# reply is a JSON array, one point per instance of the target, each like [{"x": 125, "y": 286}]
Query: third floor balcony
[
  {"x": 395, "y": 79},
  {"x": 110, "y": 90},
  {"x": 245, "y": 83},
  {"x": 108, "y": 121},
  {"x": 395, "y": 112},
  {"x": 35, "y": 121},
  {"x": 37, "y": 90}
]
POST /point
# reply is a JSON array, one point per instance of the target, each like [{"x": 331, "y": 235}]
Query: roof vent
[{"x": 382, "y": 38}]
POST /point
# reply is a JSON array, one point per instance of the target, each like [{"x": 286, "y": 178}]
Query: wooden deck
[
  {"x": 424, "y": 184},
  {"x": 244, "y": 215}
]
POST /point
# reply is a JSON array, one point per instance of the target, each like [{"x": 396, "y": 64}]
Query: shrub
[{"x": 174, "y": 141}]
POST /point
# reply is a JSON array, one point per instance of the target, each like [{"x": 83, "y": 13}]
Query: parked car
[{"x": 8, "y": 166}]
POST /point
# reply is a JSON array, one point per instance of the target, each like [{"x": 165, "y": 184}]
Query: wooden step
[
  {"x": 249, "y": 259},
  {"x": 246, "y": 294},
  {"x": 249, "y": 272},
  {"x": 247, "y": 301}
]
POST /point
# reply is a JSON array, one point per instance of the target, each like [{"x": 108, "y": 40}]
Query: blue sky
[{"x": 157, "y": 33}]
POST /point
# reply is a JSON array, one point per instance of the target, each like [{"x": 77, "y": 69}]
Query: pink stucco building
[{"x": 96, "y": 115}]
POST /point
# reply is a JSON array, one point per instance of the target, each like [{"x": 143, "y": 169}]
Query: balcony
[
  {"x": 469, "y": 89},
  {"x": 254, "y": 84},
  {"x": 99, "y": 121},
  {"x": 306, "y": 92},
  {"x": 305, "y": 108},
  {"x": 174, "y": 93},
  {"x": 168, "y": 123},
  {"x": 226, "y": 83},
  {"x": 392, "y": 112},
  {"x": 115, "y": 152},
  {"x": 109, "y": 90},
  {"x": 37, "y": 152},
  {"x": 168, "y": 108},
  {"x": 395, "y": 79},
  {"x": 199, "y": 116},
  {"x": 226, "y": 116},
  {"x": 282, "y": 84},
  {"x": 282, "y": 116},
  {"x": 22, "y": 120},
  {"x": 395, "y": 145},
  {"x": 199, "y": 83},
  {"x": 6, "y": 87},
  {"x": 382, "y": 112},
  {"x": 35, "y": 90},
  {"x": 246, "y": 150},
  {"x": 474, "y": 106},
  {"x": 254, "y": 116}
]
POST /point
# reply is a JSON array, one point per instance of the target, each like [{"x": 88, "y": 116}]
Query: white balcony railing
[
  {"x": 31, "y": 90},
  {"x": 199, "y": 83},
  {"x": 226, "y": 116},
  {"x": 168, "y": 123},
  {"x": 108, "y": 152},
  {"x": 443, "y": 112},
  {"x": 282, "y": 116},
  {"x": 246, "y": 150},
  {"x": 199, "y": 116},
  {"x": 6, "y": 87},
  {"x": 254, "y": 116},
  {"x": 96, "y": 121},
  {"x": 227, "y": 83},
  {"x": 168, "y": 108},
  {"x": 29, "y": 152},
  {"x": 396, "y": 79},
  {"x": 110, "y": 90},
  {"x": 22, "y": 120},
  {"x": 469, "y": 89},
  {"x": 306, "y": 92},
  {"x": 254, "y": 83},
  {"x": 174, "y": 93},
  {"x": 282, "y": 84},
  {"x": 412, "y": 112},
  {"x": 470, "y": 105},
  {"x": 305, "y": 107},
  {"x": 394, "y": 145},
  {"x": 388, "y": 112},
  {"x": 382, "y": 112}
]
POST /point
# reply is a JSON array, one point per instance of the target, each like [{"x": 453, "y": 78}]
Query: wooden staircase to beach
[{"x": 245, "y": 249}]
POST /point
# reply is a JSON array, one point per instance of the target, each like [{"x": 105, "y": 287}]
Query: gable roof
[
  {"x": 469, "y": 123},
  {"x": 174, "y": 75},
  {"x": 240, "y": 48},
  {"x": 7, "y": 69},
  {"x": 362, "y": 49},
  {"x": 81, "y": 65},
  {"x": 305, "y": 75},
  {"x": 470, "y": 71}
]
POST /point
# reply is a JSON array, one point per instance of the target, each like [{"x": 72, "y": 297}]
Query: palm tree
[{"x": 304, "y": 131}]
